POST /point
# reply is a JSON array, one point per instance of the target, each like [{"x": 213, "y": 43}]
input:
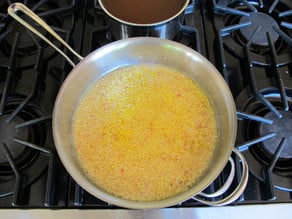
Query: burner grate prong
[
  {"x": 51, "y": 181},
  {"x": 38, "y": 4},
  {"x": 277, "y": 76},
  {"x": 222, "y": 57},
  {"x": 34, "y": 146},
  {"x": 220, "y": 8},
  {"x": 273, "y": 5},
  {"x": 242, "y": 115},
  {"x": 268, "y": 185},
  {"x": 227, "y": 30},
  {"x": 267, "y": 172},
  {"x": 194, "y": 31},
  {"x": 277, "y": 153},
  {"x": 284, "y": 36},
  {"x": 285, "y": 13},
  {"x": 250, "y": 6},
  {"x": 5, "y": 33},
  {"x": 19, "y": 194},
  {"x": 222, "y": 33},
  {"x": 268, "y": 104},
  {"x": 51, "y": 185},
  {"x": 35, "y": 86},
  {"x": 244, "y": 146},
  {"x": 55, "y": 11},
  {"x": 5, "y": 91},
  {"x": 286, "y": 24},
  {"x": 261, "y": 4},
  {"x": 79, "y": 195},
  {"x": 252, "y": 83},
  {"x": 9, "y": 157},
  {"x": 8, "y": 80},
  {"x": 34, "y": 121}
]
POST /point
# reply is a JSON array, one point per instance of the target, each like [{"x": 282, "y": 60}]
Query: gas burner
[
  {"x": 22, "y": 156},
  {"x": 256, "y": 25},
  {"x": 16, "y": 135},
  {"x": 265, "y": 23},
  {"x": 283, "y": 129},
  {"x": 260, "y": 141},
  {"x": 7, "y": 133},
  {"x": 27, "y": 44}
]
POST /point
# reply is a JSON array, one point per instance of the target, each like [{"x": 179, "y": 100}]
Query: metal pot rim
[{"x": 147, "y": 24}]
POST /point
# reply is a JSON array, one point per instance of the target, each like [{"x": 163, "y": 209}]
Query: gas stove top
[
  {"x": 248, "y": 41},
  {"x": 253, "y": 44}
]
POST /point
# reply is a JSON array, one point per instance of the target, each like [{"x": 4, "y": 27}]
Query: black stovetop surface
[{"x": 248, "y": 41}]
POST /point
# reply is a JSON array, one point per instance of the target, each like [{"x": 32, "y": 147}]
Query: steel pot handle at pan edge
[
  {"x": 204, "y": 198},
  {"x": 13, "y": 8}
]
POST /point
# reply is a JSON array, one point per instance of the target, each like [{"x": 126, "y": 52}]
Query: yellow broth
[{"x": 144, "y": 132}]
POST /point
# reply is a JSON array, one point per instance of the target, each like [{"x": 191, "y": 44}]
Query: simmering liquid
[
  {"x": 144, "y": 132},
  {"x": 145, "y": 11}
]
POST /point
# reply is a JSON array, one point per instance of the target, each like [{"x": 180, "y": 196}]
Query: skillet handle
[
  {"x": 12, "y": 10},
  {"x": 237, "y": 191}
]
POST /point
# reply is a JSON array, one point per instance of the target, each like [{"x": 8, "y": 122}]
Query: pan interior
[{"x": 136, "y": 51}]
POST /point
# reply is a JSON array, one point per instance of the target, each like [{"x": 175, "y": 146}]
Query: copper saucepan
[{"x": 135, "y": 51}]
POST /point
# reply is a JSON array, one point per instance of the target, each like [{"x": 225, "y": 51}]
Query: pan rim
[{"x": 94, "y": 190}]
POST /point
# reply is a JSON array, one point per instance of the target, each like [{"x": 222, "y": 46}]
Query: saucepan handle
[
  {"x": 12, "y": 11},
  {"x": 203, "y": 197}
]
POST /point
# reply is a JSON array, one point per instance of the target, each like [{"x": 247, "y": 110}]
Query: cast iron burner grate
[
  {"x": 28, "y": 44},
  {"x": 22, "y": 133},
  {"x": 283, "y": 129},
  {"x": 31, "y": 75},
  {"x": 22, "y": 113},
  {"x": 267, "y": 143},
  {"x": 260, "y": 24},
  {"x": 258, "y": 72},
  {"x": 22, "y": 156},
  {"x": 253, "y": 52}
]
